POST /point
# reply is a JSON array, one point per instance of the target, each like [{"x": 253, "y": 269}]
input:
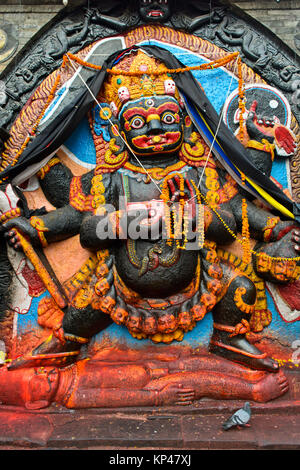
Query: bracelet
[
  {"x": 268, "y": 229},
  {"x": 264, "y": 146},
  {"x": 43, "y": 171},
  {"x": 40, "y": 227}
]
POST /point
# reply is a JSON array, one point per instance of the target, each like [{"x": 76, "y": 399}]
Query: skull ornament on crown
[
  {"x": 123, "y": 94},
  {"x": 170, "y": 87},
  {"x": 143, "y": 81}
]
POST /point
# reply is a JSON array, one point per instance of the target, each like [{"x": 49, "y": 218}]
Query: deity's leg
[
  {"x": 231, "y": 325},
  {"x": 85, "y": 322},
  {"x": 78, "y": 327}
]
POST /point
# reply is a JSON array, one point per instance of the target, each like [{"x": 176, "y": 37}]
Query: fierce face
[
  {"x": 152, "y": 125},
  {"x": 154, "y": 10}
]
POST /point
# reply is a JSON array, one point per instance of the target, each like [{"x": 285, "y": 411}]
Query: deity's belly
[{"x": 155, "y": 270}]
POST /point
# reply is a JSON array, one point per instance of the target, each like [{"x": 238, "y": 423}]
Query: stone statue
[
  {"x": 129, "y": 212},
  {"x": 156, "y": 382},
  {"x": 173, "y": 232}
]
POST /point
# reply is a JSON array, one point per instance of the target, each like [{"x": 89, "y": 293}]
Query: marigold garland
[
  {"x": 200, "y": 229},
  {"x": 165, "y": 196},
  {"x": 179, "y": 215},
  {"x": 210, "y": 65},
  {"x": 156, "y": 172},
  {"x": 245, "y": 233},
  {"x": 245, "y": 228},
  {"x": 242, "y": 105}
]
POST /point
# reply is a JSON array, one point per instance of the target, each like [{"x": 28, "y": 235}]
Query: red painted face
[
  {"x": 152, "y": 125},
  {"x": 167, "y": 323}
]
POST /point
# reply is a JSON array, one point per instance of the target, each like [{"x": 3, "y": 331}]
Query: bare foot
[{"x": 270, "y": 387}]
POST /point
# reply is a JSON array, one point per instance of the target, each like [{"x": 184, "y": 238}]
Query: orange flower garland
[
  {"x": 245, "y": 233},
  {"x": 210, "y": 65},
  {"x": 242, "y": 106}
]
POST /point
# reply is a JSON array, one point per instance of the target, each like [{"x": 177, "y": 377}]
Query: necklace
[{"x": 156, "y": 173}]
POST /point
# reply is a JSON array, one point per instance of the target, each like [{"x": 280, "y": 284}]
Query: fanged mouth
[
  {"x": 157, "y": 141},
  {"x": 155, "y": 13}
]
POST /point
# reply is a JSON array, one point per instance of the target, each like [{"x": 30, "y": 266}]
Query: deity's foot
[
  {"x": 57, "y": 351},
  {"x": 270, "y": 387},
  {"x": 238, "y": 349}
]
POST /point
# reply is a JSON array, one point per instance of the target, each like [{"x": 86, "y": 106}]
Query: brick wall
[
  {"x": 281, "y": 17},
  {"x": 29, "y": 16}
]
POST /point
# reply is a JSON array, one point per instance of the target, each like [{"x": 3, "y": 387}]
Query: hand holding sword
[{"x": 22, "y": 236}]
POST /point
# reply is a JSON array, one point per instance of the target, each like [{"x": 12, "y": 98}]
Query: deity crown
[{"x": 121, "y": 88}]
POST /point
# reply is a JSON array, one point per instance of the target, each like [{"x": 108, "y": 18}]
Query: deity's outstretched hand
[
  {"x": 279, "y": 261},
  {"x": 261, "y": 127}
]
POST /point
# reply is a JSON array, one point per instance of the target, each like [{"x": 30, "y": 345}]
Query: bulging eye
[
  {"x": 137, "y": 123},
  {"x": 168, "y": 118}
]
